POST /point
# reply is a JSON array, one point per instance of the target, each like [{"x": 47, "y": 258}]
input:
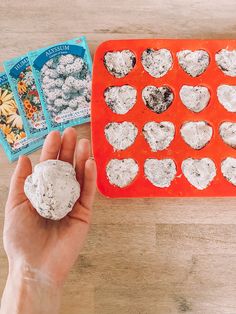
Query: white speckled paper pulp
[{"x": 52, "y": 189}]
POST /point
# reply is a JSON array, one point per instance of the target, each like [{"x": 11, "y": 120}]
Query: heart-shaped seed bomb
[
  {"x": 159, "y": 135},
  {"x": 119, "y": 63},
  {"x": 226, "y": 61},
  {"x": 120, "y": 99},
  {"x": 227, "y": 97},
  {"x": 196, "y": 134},
  {"x": 228, "y": 133},
  {"x": 121, "y": 172},
  {"x": 195, "y": 98},
  {"x": 193, "y": 63},
  {"x": 157, "y": 62},
  {"x": 160, "y": 172},
  {"x": 121, "y": 135},
  {"x": 157, "y": 99},
  {"x": 199, "y": 172},
  {"x": 228, "y": 169}
]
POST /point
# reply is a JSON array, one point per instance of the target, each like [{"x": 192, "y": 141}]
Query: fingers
[
  {"x": 68, "y": 144},
  {"x": 22, "y": 170},
  {"x": 51, "y": 146},
  {"x": 82, "y": 154},
  {"x": 89, "y": 184},
  {"x": 83, "y": 213}
]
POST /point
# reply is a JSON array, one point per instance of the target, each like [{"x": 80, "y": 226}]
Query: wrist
[
  {"x": 35, "y": 272},
  {"x": 32, "y": 292},
  {"x": 25, "y": 272}
]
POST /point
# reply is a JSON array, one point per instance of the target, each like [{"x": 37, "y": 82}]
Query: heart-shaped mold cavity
[
  {"x": 228, "y": 133},
  {"x": 199, "y": 172},
  {"x": 227, "y": 97},
  {"x": 157, "y": 62},
  {"x": 120, "y": 135},
  {"x": 160, "y": 172},
  {"x": 195, "y": 98},
  {"x": 157, "y": 99},
  {"x": 196, "y": 134},
  {"x": 228, "y": 169},
  {"x": 120, "y": 99},
  {"x": 159, "y": 135},
  {"x": 226, "y": 61},
  {"x": 119, "y": 63},
  {"x": 193, "y": 63},
  {"x": 121, "y": 172}
]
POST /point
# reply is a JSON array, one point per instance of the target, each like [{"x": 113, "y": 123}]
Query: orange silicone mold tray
[{"x": 177, "y": 113}]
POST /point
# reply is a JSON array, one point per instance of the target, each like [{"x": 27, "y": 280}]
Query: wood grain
[{"x": 143, "y": 256}]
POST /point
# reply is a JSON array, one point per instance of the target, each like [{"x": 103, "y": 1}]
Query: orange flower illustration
[
  {"x": 27, "y": 104},
  {"x": 29, "y": 96},
  {"x": 21, "y": 135}
]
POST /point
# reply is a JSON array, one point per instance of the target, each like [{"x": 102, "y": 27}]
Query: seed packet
[
  {"x": 12, "y": 132},
  {"x": 62, "y": 74},
  {"x": 23, "y": 86}
]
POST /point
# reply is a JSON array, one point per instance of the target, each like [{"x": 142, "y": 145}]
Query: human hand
[{"x": 37, "y": 246}]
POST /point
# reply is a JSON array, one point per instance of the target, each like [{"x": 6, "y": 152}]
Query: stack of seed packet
[{"x": 46, "y": 89}]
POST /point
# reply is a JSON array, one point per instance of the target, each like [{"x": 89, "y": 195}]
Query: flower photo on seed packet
[
  {"x": 66, "y": 84},
  {"x": 22, "y": 83},
  {"x": 12, "y": 131},
  {"x": 29, "y": 96},
  {"x": 62, "y": 74},
  {"x": 10, "y": 120}
]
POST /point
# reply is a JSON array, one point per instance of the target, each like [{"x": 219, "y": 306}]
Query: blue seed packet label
[
  {"x": 12, "y": 133},
  {"x": 62, "y": 74},
  {"x": 24, "y": 89}
]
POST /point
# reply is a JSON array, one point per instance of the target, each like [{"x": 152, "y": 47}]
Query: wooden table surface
[{"x": 143, "y": 256}]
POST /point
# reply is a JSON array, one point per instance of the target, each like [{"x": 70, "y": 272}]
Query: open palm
[{"x": 47, "y": 246}]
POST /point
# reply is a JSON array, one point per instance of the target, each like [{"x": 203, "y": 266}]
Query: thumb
[{"x": 22, "y": 170}]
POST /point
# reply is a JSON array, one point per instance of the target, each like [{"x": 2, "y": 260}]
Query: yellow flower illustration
[
  {"x": 21, "y": 86},
  {"x": 6, "y": 129},
  {"x": 15, "y": 120},
  {"x": 7, "y": 103},
  {"x": 11, "y": 138}
]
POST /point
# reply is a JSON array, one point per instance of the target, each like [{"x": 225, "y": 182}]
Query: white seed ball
[{"x": 52, "y": 188}]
